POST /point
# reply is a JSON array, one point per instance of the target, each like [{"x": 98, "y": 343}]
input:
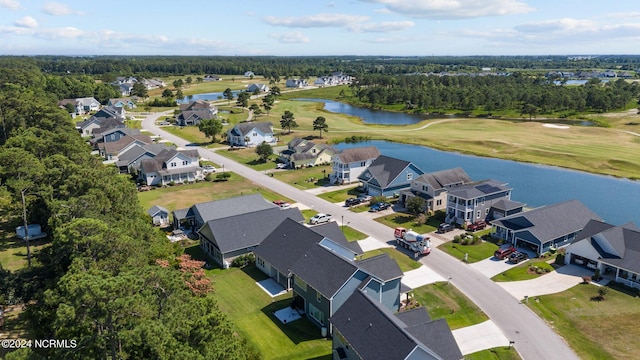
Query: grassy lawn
[
  {"x": 352, "y": 234},
  {"x": 249, "y": 157},
  {"x": 183, "y": 196},
  {"x": 522, "y": 272},
  {"x": 501, "y": 353},
  {"x": 189, "y": 133},
  {"x": 405, "y": 262},
  {"x": 13, "y": 252},
  {"x": 250, "y": 309},
  {"x": 444, "y": 300},
  {"x": 308, "y": 214},
  {"x": 594, "y": 329},
  {"x": 340, "y": 195},
  {"x": 407, "y": 221},
  {"x": 475, "y": 252}
]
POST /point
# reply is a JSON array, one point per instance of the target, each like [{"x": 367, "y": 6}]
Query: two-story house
[
  {"x": 296, "y": 83},
  {"x": 304, "y": 153},
  {"x": 433, "y": 187},
  {"x": 194, "y": 112},
  {"x": 258, "y": 88},
  {"x": 387, "y": 176},
  {"x": 348, "y": 164},
  {"x": 251, "y": 134},
  {"x": 87, "y": 104},
  {"x": 469, "y": 203},
  {"x": 170, "y": 166}
]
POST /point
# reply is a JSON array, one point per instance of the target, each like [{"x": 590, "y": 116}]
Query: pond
[{"x": 615, "y": 200}]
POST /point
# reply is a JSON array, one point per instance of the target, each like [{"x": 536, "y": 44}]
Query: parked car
[
  {"x": 379, "y": 206},
  {"x": 281, "y": 166},
  {"x": 503, "y": 252},
  {"x": 353, "y": 201},
  {"x": 478, "y": 225},
  {"x": 518, "y": 256},
  {"x": 282, "y": 204},
  {"x": 320, "y": 218},
  {"x": 208, "y": 169},
  {"x": 444, "y": 228},
  {"x": 365, "y": 198}
]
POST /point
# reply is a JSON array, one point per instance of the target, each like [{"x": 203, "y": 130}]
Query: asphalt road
[{"x": 533, "y": 338}]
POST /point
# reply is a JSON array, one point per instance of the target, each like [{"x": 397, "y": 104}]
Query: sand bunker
[{"x": 554, "y": 126}]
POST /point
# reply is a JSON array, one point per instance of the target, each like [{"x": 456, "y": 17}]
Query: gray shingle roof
[
  {"x": 242, "y": 129},
  {"x": 616, "y": 245},
  {"x": 156, "y": 209},
  {"x": 436, "y": 335},
  {"x": 382, "y": 267},
  {"x": 441, "y": 179},
  {"x": 479, "y": 189},
  {"x": 232, "y": 206},
  {"x": 384, "y": 170},
  {"x": 332, "y": 231},
  {"x": 323, "y": 270},
  {"x": 551, "y": 221},
  {"x": 507, "y": 205},
  {"x": 358, "y": 154}
]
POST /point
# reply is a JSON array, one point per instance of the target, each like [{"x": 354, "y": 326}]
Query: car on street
[
  {"x": 208, "y": 169},
  {"x": 353, "y": 201},
  {"x": 379, "y": 206},
  {"x": 517, "y": 257},
  {"x": 444, "y": 228},
  {"x": 282, "y": 204},
  {"x": 478, "y": 225},
  {"x": 504, "y": 252},
  {"x": 320, "y": 218}
]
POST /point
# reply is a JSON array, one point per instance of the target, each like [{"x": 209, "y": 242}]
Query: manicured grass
[
  {"x": 475, "y": 252},
  {"x": 594, "y": 329},
  {"x": 251, "y": 311},
  {"x": 133, "y": 124},
  {"x": 183, "y": 196},
  {"x": 249, "y": 157},
  {"x": 189, "y": 133},
  {"x": 339, "y": 195},
  {"x": 13, "y": 252},
  {"x": 407, "y": 221},
  {"x": 444, "y": 300},
  {"x": 308, "y": 214},
  {"x": 522, "y": 272},
  {"x": 405, "y": 262},
  {"x": 352, "y": 234},
  {"x": 501, "y": 353}
]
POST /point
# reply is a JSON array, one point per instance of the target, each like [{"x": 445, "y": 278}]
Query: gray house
[
  {"x": 159, "y": 215},
  {"x": 469, "y": 203},
  {"x": 434, "y": 187},
  {"x": 546, "y": 227},
  {"x": 388, "y": 176},
  {"x": 194, "y": 112},
  {"x": 363, "y": 329}
]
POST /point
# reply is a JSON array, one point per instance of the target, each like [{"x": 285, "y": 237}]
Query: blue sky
[{"x": 299, "y": 27}]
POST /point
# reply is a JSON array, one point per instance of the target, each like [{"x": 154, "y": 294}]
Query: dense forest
[{"x": 108, "y": 280}]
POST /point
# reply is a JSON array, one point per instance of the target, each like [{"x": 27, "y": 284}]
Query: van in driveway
[{"x": 504, "y": 252}]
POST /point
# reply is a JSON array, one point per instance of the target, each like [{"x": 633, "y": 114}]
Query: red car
[
  {"x": 478, "y": 225},
  {"x": 504, "y": 252}
]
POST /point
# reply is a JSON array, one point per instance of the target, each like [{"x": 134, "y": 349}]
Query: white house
[
  {"x": 351, "y": 163},
  {"x": 296, "y": 83},
  {"x": 159, "y": 215},
  {"x": 88, "y": 104},
  {"x": 251, "y": 134},
  {"x": 249, "y": 74},
  {"x": 171, "y": 166},
  {"x": 258, "y": 87}
]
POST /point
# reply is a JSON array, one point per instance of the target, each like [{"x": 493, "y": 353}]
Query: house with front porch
[
  {"x": 258, "y": 88},
  {"x": 614, "y": 250},
  {"x": 472, "y": 202},
  {"x": 433, "y": 187},
  {"x": 546, "y": 227},
  {"x": 111, "y": 151},
  {"x": 387, "y": 176},
  {"x": 251, "y": 134},
  {"x": 304, "y": 153},
  {"x": 193, "y": 113},
  {"x": 171, "y": 166},
  {"x": 348, "y": 164},
  {"x": 363, "y": 329},
  {"x": 87, "y": 104}
]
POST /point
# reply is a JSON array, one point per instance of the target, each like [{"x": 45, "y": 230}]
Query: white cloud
[
  {"x": 316, "y": 21},
  {"x": 10, "y": 4},
  {"x": 382, "y": 11},
  {"x": 454, "y": 9},
  {"x": 295, "y": 37},
  {"x": 556, "y": 25},
  {"x": 385, "y": 26},
  {"x": 68, "y": 32},
  {"x": 58, "y": 9},
  {"x": 26, "y": 22}
]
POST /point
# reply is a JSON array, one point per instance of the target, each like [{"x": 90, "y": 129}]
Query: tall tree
[
  {"x": 228, "y": 94},
  {"x": 211, "y": 128},
  {"x": 267, "y": 103},
  {"x": 243, "y": 100},
  {"x": 288, "y": 121},
  {"x": 320, "y": 123},
  {"x": 264, "y": 150},
  {"x": 140, "y": 90},
  {"x": 275, "y": 91}
]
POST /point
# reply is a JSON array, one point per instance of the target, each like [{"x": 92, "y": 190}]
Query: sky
[{"x": 319, "y": 27}]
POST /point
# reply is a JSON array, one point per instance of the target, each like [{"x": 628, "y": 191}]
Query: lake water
[
  {"x": 206, "y": 96},
  {"x": 369, "y": 116},
  {"x": 617, "y": 201}
]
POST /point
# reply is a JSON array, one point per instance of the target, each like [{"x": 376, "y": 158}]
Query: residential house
[
  {"x": 111, "y": 134},
  {"x": 111, "y": 112},
  {"x": 303, "y": 153},
  {"x": 323, "y": 279},
  {"x": 129, "y": 159},
  {"x": 88, "y": 104},
  {"x": 87, "y": 127},
  {"x": 388, "y": 176},
  {"x": 210, "y": 77},
  {"x": 74, "y": 103},
  {"x": 159, "y": 215},
  {"x": 349, "y": 164},
  {"x": 151, "y": 84},
  {"x": 290, "y": 241},
  {"x": 296, "y": 83},
  {"x": 170, "y": 166},
  {"x": 249, "y": 74},
  {"x": 113, "y": 149},
  {"x": 127, "y": 103},
  {"x": 198, "y": 214},
  {"x": 194, "y": 112},
  {"x": 251, "y": 134},
  {"x": 336, "y": 78},
  {"x": 255, "y": 87},
  {"x": 362, "y": 329},
  {"x": 546, "y": 227},
  {"x": 433, "y": 187},
  {"x": 125, "y": 89},
  {"x": 614, "y": 250},
  {"x": 469, "y": 203}
]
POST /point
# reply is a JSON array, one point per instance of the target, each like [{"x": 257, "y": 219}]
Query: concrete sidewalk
[
  {"x": 479, "y": 337},
  {"x": 329, "y": 188},
  {"x": 370, "y": 243}
]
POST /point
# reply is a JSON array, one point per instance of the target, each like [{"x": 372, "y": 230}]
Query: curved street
[{"x": 533, "y": 338}]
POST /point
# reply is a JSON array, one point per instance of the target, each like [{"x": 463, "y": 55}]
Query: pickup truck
[{"x": 320, "y": 218}]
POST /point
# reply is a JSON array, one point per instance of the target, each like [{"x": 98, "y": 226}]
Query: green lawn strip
[
  {"x": 250, "y": 309},
  {"x": 352, "y": 234},
  {"x": 249, "y": 157},
  {"x": 522, "y": 272},
  {"x": 475, "y": 252},
  {"x": 405, "y": 262},
  {"x": 499, "y": 353},
  {"x": 339, "y": 195},
  {"x": 133, "y": 124},
  {"x": 183, "y": 196},
  {"x": 13, "y": 252},
  {"x": 307, "y": 178},
  {"x": 190, "y": 133},
  {"x": 444, "y": 300},
  {"x": 308, "y": 214},
  {"x": 407, "y": 221},
  {"x": 594, "y": 329}
]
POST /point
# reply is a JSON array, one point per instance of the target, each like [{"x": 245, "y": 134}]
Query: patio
[{"x": 287, "y": 315}]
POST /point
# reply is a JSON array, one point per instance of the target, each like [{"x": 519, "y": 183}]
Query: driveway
[
  {"x": 479, "y": 337},
  {"x": 554, "y": 282},
  {"x": 370, "y": 243},
  {"x": 420, "y": 277}
]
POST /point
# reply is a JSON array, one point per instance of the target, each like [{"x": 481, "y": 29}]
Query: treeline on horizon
[{"x": 107, "y": 279}]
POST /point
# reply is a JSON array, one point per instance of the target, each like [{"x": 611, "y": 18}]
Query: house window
[
  {"x": 363, "y": 163},
  {"x": 425, "y": 188},
  {"x": 409, "y": 176},
  {"x": 173, "y": 164},
  {"x": 185, "y": 162},
  {"x": 483, "y": 200},
  {"x": 318, "y": 296},
  {"x": 300, "y": 283},
  {"x": 439, "y": 202},
  {"x": 486, "y": 211},
  {"x": 478, "y": 214},
  {"x": 316, "y": 314},
  {"x": 255, "y": 133}
]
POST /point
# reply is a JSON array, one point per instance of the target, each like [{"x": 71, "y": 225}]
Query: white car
[
  {"x": 320, "y": 218},
  {"x": 281, "y": 166},
  {"x": 208, "y": 169}
]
